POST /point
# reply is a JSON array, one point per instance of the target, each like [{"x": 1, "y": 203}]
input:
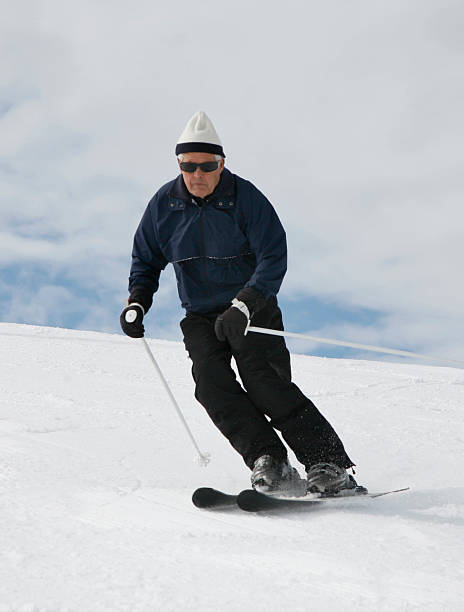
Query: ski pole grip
[{"x": 131, "y": 315}]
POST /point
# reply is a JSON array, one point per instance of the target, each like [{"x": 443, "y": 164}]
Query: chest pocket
[
  {"x": 176, "y": 205},
  {"x": 224, "y": 205},
  {"x": 223, "y": 233}
]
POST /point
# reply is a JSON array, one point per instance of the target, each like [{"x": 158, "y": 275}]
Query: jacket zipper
[{"x": 205, "y": 273}]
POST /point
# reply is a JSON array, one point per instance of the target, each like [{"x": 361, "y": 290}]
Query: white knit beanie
[{"x": 199, "y": 136}]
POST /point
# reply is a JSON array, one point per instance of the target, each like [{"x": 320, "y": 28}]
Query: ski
[
  {"x": 254, "y": 501},
  {"x": 206, "y": 497}
]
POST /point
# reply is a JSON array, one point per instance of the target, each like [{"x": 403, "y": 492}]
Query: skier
[{"x": 229, "y": 253}]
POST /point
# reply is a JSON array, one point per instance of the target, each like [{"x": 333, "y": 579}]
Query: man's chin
[{"x": 200, "y": 193}]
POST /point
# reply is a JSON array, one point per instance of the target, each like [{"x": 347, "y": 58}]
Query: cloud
[{"x": 347, "y": 115}]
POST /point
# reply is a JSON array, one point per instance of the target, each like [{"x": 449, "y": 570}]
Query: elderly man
[{"x": 229, "y": 252}]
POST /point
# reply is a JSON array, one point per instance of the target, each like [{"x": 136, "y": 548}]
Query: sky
[{"x": 347, "y": 115}]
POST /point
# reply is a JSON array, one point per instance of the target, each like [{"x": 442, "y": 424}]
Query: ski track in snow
[{"x": 96, "y": 477}]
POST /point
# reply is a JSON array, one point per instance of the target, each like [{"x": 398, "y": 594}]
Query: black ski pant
[{"x": 240, "y": 412}]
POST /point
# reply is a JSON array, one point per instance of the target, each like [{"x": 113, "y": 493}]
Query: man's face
[{"x": 199, "y": 183}]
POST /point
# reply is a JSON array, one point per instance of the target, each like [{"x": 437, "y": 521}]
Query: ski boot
[
  {"x": 329, "y": 479},
  {"x": 270, "y": 474}
]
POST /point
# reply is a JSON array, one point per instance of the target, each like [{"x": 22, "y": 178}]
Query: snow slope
[{"x": 96, "y": 477}]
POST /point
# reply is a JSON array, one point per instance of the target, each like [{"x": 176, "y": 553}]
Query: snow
[{"x": 96, "y": 476}]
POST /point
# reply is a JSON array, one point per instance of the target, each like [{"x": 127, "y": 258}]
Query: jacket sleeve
[
  {"x": 268, "y": 242},
  {"x": 147, "y": 258}
]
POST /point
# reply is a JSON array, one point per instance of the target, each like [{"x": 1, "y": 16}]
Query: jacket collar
[{"x": 224, "y": 189}]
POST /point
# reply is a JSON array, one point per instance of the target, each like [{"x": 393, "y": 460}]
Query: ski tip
[
  {"x": 200, "y": 496},
  {"x": 207, "y": 497},
  {"x": 247, "y": 500}
]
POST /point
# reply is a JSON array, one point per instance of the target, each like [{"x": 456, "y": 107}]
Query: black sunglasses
[{"x": 208, "y": 166}]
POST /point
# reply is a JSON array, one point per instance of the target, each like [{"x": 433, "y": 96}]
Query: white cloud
[{"x": 348, "y": 115}]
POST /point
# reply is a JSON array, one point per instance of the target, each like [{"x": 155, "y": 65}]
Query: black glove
[
  {"x": 139, "y": 303},
  {"x": 131, "y": 321},
  {"x": 232, "y": 323}
]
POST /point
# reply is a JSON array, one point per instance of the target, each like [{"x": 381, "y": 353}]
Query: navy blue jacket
[{"x": 230, "y": 240}]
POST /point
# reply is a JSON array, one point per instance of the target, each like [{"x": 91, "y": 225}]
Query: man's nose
[{"x": 198, "y": 172}]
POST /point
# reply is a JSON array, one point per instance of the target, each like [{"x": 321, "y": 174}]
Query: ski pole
[
  {"x": 366, "y": 347},
  {"x": 203, "y": 458}
]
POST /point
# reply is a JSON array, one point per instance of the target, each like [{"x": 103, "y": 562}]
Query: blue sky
[{"x": 348, "y": 116}]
